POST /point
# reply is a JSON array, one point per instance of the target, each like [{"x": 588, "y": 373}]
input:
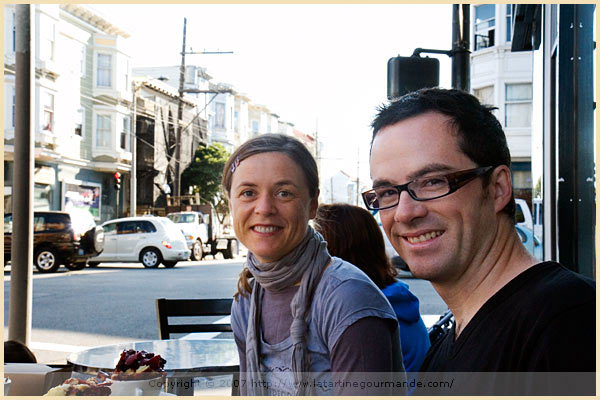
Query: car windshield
[{"x": 181, "y": 218}]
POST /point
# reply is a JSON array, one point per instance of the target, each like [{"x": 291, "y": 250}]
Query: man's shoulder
[
  {"x": 556, "y": 285},
  {"x": 541, "y": 295}
]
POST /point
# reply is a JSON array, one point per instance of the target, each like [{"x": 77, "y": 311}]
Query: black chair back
[
  {"x": 174, "y": 308},
  {"x": 437, "y": 330}
]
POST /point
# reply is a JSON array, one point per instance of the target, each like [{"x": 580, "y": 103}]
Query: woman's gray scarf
[{"x": 304, "y": 264}]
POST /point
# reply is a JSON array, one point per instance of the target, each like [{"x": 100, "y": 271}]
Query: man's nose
[{"x": 409, "y": 209}]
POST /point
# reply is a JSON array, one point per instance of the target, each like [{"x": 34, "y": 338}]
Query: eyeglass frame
[{"x": 456, "y": 180}]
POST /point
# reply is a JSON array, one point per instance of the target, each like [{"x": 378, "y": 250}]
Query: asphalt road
[{"x": 115, "y": 303}]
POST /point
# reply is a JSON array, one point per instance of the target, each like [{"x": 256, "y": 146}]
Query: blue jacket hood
[{"x": 405, "y": 304}]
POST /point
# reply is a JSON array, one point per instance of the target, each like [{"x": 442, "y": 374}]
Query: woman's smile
[{"x": 266, "y": 229}]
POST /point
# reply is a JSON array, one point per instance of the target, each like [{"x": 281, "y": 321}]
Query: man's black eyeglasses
[{"x": 421, "y": 189}]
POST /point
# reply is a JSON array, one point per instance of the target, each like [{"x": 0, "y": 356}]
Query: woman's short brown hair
[
  {"x": 352, "y": 234},
  {"x": 276, "y": 143}
]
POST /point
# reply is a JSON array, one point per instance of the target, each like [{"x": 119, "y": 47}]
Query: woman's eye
[{"x": 247, "y": 193}]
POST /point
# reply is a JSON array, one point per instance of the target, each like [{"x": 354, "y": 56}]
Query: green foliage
[{"x": 205, "y": 172}]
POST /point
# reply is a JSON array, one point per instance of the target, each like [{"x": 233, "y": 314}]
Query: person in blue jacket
[{"x": 353, "y": 235}]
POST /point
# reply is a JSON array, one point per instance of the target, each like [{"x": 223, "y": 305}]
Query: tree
[{"x": 204, "y": 176}]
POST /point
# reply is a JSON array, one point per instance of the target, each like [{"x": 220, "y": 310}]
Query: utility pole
[
  {"x": 19, "y": 320},
  {"x": 133, "y": 145},
  {"x": 180, "y": 115},
  {"x": 461, "y": 74},
  {"x": 178, "y": 171}
]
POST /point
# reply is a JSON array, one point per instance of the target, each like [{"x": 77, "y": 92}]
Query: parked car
[
  {"x": 523, "y": 217},
  {"x": 531, "y": 242},
  {"x": 149, "y": 240},
  {"x": 57, "y": 240}
]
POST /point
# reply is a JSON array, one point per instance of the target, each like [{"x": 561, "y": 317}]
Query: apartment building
[
  {"x": 504, "y": 79},
  {"x": 157, "y": 153},
  {"x": 231, "y": 116},
  {"x": 81, "y": 109}
]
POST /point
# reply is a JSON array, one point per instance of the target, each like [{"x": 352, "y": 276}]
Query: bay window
[{"x": 104, "y": 70}]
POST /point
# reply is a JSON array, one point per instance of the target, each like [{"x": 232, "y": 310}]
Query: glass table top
[{"x": 180, "y": 354}]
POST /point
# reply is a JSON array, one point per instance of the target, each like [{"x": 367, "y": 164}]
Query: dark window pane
[
  {"x": 146, "y": 227},
  {"x": 125, "y": 228}
]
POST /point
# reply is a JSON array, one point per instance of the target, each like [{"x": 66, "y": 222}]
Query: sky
[{"x": 321, "y": 67}]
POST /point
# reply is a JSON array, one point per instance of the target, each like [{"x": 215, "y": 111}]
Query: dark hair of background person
[
  {"x": 352, "y": 234},
  {"x": 17, "y": 352},
  {"x": 480, "y": 135},
  {"x": 271, "y": 143}
]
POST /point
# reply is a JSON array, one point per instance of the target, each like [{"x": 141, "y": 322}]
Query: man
[{"x": 440, "y": 167}]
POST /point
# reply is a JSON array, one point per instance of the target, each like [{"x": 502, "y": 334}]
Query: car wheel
[
  {"x": 169, "y": 264},
  {"x": 75, "y": 266},
  {"x": 150, "y": 258},
  {"x": 232, "y": 249},
  {"x": 93, "y": 264},
  {"x": 197, "y": 252},
  {"x": 46, "y": 260}
]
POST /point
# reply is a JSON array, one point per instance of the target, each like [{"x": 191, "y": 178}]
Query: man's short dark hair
[{"x": 480, "y": 135}]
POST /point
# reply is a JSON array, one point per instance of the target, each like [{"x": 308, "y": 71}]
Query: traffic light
[
  {"x": 117, "y": 181},
  {"x": 407, "y": 74}
]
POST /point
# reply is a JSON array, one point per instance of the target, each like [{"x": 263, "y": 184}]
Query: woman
[
  {"x": 352, "y": 234},
  {"x": 300, "y": 316}
]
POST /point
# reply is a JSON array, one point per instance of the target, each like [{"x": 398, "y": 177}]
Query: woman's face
[{"x": 270, "y": 204}]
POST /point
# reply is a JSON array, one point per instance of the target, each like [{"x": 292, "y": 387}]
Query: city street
[{"x": 114, "y": 303}]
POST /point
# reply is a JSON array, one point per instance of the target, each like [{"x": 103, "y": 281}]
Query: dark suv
[{"x": 55, "y": 242}]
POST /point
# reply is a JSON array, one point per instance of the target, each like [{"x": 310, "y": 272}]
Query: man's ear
[{"x": 501, "y": 187}]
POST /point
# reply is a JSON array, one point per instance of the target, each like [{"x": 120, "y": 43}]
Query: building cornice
[
  {"x": 163, "y": 88},
  {"x": 95, "y": 20}
]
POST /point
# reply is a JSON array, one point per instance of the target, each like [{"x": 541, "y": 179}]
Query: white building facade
[
  {"x": 339, "y": 187},
  {"x": 81, "y": 109},
  {"x": 504, "y": 79}
]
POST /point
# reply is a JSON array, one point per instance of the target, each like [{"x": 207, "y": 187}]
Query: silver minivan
[{"x": 149, "y": 240}]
